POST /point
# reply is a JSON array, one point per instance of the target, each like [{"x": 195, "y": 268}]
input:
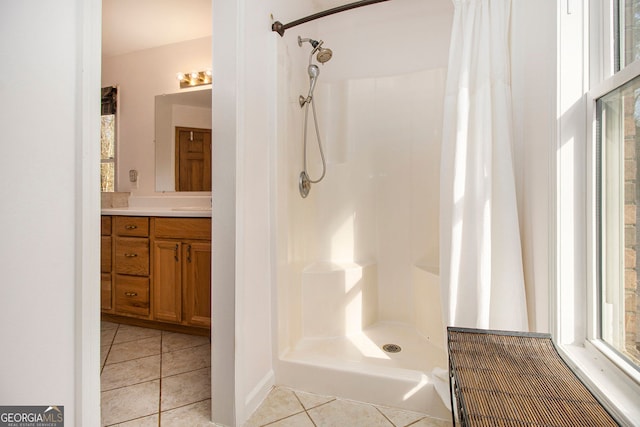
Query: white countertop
[{"x": 192, "y": 212}]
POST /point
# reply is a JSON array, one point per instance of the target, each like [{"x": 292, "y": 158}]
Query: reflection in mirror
[{"x": 190, "y": 109}]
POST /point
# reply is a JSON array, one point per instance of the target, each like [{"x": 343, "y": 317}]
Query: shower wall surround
[{"x": 358, "y": 257}]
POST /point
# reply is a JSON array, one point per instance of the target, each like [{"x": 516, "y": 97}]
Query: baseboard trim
[{"x": 192, "y": 330}]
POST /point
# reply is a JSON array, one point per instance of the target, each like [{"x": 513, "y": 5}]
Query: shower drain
[{"x": 392, "y": 348}]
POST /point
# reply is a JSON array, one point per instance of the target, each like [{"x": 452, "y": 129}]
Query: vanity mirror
[{"x": 183, "y": 120}]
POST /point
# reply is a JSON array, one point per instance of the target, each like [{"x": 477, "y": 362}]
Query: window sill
[{"x": 618, "y": 391}]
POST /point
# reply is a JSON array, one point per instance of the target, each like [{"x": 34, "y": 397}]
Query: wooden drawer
[
  {"x": 106, "y": 226},
  {"x": 132, "y": 295},
  {"x": 105, "y": 254},
  {"x": 183, "y": 228},
  {"x": 105, "y": 292},
  {"x": 132, "y": 256},
  {"x": 131, "y": 226}
]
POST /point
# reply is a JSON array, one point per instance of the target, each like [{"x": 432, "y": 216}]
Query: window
[
  {"x": 593, "y": 157},
  {"x": 618, "y": 115},
  {"x": 627, "y": 29},
  {"x": 618, "y": 192},
  {"x": 108, "y": 139}
]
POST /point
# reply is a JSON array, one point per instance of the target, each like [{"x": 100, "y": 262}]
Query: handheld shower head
[
  {"x": 314, "y": 72},
  {"x": 304, "y": 183}
]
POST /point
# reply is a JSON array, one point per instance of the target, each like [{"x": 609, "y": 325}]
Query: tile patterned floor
[
  {"x": 155, "y": 378},
  {"x": 289, "y": 408}
]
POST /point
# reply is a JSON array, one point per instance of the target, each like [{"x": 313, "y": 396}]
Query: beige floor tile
[
  {"x": 133, "y": 333},
  {"x": 280, "y": 403},
  {"x": 194, "y": 415},
  {"x": 432, "y": 422},
  {"x": 310, "y": 400},
  {"x": 129, "y": 403},
  {"x": 107, "y": 335},
  {"x": 104, "y": 325},
  {"x": 132, "y": 358},
  {"x": 184, "y": 389},
  {"x": 130, "y": 372},
  {"x": 173, "y": 341},
  {"x": 300, "y": 420},
  {"x": 342, "y": 413},
  {"x": 104, "y": 351},
  {"x": 134, "y": 350},
  {"x": 399, "y": 417},
  {"x": 150, "y": 421},
  {"x": 189, "y": 359}
]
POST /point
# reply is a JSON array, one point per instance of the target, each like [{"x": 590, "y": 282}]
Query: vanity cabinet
[
  {"x": 157, "y": 270},
  {"x": 106, "y": 302},
  {"x": 182, "y": 271},
  {"x": 131, "y": 266}
]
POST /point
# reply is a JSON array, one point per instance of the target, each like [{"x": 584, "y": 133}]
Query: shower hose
[{"x": 315, "y": 121}]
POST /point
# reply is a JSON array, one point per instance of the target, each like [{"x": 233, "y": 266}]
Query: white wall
[
  {"x": 244, "y": 107},
  {"x": 141, "y": 76},
  {"x": 223, "y": 227},
  {"x": 243, "y": 102},
  {"x": 255, "y": 139},
  {"x": 49, "y": 219}
]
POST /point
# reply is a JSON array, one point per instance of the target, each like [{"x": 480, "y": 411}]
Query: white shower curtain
[{"x": 481, "y": 273}]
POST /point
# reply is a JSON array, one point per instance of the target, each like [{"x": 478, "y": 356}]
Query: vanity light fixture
[{"x": 194, "y": 78}]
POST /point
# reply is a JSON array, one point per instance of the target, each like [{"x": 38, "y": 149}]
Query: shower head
[{"x": 324, "y": 54}]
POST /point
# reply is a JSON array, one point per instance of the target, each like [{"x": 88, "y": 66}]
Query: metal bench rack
[{"x": 501, "y": 378}]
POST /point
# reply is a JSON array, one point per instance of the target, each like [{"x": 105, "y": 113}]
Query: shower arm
[{"x": 280, "y": 28}]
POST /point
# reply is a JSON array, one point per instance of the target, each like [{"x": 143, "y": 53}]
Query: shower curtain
[{"x": 482, "y": 283}]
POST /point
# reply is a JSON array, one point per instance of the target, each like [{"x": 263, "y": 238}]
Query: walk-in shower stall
[{"x": 357, "y": 258}]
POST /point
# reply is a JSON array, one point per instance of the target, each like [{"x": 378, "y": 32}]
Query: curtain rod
[{"x": 280, "y": 28}]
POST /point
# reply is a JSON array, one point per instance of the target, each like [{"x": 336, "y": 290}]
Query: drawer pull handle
[
  {"x": 189, "y": 253},
  {"x": 130, "y": 227},
  {"x": 131, "y": 294},
  {"x": 175, "y": 253},
  {"x": 131, "y": 255}
]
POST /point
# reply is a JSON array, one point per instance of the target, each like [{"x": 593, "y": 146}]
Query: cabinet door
[
  {"x": 106, "y": 287},
  {"x": 105, "y": 254},
  {"x": 105, "y": 292},
  {"x": 167, "y": 286},
  {"x": 197, "y": 283}
]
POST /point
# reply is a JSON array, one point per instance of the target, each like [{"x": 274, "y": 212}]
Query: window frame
[
  {"x": 573, "y": 251},
  {"x": 594, "y": 333}
]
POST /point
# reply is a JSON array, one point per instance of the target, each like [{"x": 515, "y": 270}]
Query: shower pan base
[{"x": 356, "y": 367}]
